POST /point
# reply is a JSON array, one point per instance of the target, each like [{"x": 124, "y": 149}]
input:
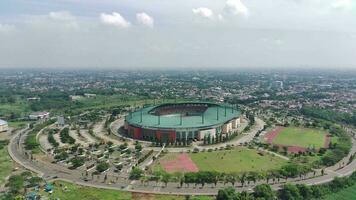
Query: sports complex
[{"x": 173, "y": 122}]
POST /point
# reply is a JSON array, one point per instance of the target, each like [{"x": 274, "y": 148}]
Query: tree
[
  {"x": 77, "y": 162},
  {"x": 103, "y": 166},
  {"x": 289, "y": 192},
  {"x": 228, "y": 193},
  {"x": 264, "y": 191},
  {"x": 165, "y": 178},
  {"x": 305, "y": 191},
  {"x": 15, "y": 184},
  {"x": 135, "y": 173}
]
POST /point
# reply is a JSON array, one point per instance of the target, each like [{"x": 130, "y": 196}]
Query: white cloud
[
  {"x": 6, "y": 28},
  {"x": 114, "y": 19},
  {"x": 145, "y": 19},
  {"x": 236, "y": 7},
  {"x": 203, "y": 12},
  {"x": 345, "y": 5},
  {"x": 61, "y": 15}
]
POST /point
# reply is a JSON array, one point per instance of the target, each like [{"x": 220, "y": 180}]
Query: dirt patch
[
  {"x": 296, "y": 149},
  {"x": 182, "y": 163}
]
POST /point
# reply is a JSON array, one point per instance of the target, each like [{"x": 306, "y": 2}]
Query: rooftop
[
  {"x": 215, "y": 114},
  {"x": 2, "y": 122}
]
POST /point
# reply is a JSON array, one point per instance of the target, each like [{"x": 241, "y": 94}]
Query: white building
[
  {"x": 3, "y": 126},
  {"x": 39, "y": 115}
]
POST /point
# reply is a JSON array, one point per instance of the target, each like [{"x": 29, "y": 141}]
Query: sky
[{"x": 177, "y": 34}]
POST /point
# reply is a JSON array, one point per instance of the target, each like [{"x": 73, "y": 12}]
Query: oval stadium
[{"x": 173, "y": 122}]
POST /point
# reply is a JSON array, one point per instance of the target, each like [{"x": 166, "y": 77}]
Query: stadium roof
[
  {"x": 174, "y": 120},
  {"x": 2, "y": 122}
]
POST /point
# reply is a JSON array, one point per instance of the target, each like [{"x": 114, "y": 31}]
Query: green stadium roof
[{"x": 173, "y": 121}]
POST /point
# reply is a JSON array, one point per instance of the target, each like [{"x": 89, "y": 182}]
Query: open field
[
  {"x": 237, "y": 160},
  {"x": 346, "y": 194},
  {"x": 5, "y": 164},
  {"x": 19, "y": 124},
  {"x": 299, "y": 137},
  {"x": 69, "y": 191},
  {"x": 15, "y": 108}
]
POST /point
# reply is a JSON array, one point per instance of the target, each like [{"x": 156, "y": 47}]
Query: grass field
[
  {"x": 73, "y": 191},
  {"x": 5, "y": 164},
  {"x": 16, "y": 108},
  {"x": 346, "y": 194},
  {"x": 19, "y": 124},
  {"x": 301, "y": 137},
  {"x": 237, "y": 160}
]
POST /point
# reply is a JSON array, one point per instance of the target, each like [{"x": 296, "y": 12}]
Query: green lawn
[
  {"x": 346, "y": 194},
  {"x": 15, "y": 108},
  {"x": 73, "y": 191},
  {"x": 238, "y": 160},
  {"x": 302, "y": 137},
  {"x": 19, "y": 124},
  {"x": 5, "y": 164}
]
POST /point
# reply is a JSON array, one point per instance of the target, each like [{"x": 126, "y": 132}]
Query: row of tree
[
  {"x": 289, "y": 191},
  {"x": 65, "y": 137},
  {"x": 213, "y": 177},
  {"x": 31, "y": 142}
]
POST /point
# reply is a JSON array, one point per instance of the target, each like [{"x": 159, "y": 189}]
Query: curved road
[{"x": 54, "y": 171}]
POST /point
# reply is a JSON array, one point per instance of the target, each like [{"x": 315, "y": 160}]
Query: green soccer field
[
  {"x": 301, "y": 137},
  {"x": 238, "y": 160}
]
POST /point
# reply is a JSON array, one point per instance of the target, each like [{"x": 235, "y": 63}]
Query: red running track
[{"x": 183, "y": 163}]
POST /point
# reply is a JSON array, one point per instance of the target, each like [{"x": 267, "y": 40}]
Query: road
[{"x": 49, "y": 170}]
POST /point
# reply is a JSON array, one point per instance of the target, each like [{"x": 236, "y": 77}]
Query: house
[{"x": 39, "y": 115}]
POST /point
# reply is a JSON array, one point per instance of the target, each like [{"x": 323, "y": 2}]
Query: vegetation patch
[{"x": 5, "y": 163}]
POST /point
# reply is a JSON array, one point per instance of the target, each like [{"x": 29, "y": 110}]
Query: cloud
[
  {"x": 61, "y": 15},
  {"x": 236, "y": 7},
  {"x": 6, "y": 27},
  {"x": 114, "y": 19},
  {"x": 145, "y": 20},
  {"x": 203, "y": 12},
  {"x": 345, "y": 5}
]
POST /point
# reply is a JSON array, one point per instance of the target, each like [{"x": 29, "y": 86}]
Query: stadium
[{"x": 173, "y": 122}]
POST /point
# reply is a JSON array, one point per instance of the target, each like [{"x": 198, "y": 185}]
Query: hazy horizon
[{"x": 177, "y": 35}]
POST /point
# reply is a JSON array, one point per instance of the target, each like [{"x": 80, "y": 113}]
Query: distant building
[
  {"x": 75, "y": 97},
  {"x": 60, "y": 121},
  {"x": 3, "y": 126},
  {"x": 87, "y": 95},
  {"x": 34, "y": 99},
  {"x": 39, "y": 115}
]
